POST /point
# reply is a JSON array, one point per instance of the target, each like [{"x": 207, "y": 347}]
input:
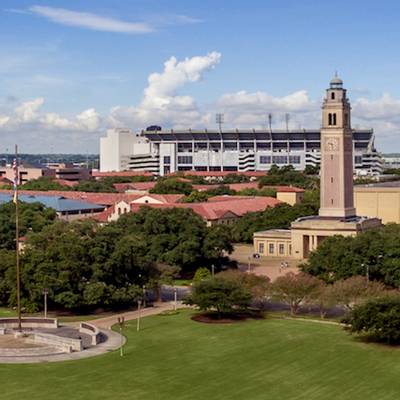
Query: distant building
[
  {"x": 380, "y": 200},
  {"x": 61, "y": 171},
  {"x": 163, "y": 152},
  {"x": 66, "y": 209}
]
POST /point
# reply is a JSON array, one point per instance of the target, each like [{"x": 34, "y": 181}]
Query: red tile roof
[
  {"x": 142, "y": 186},
  {"x": 214, "y": 210},
  {"x": 104, "y": 215}
]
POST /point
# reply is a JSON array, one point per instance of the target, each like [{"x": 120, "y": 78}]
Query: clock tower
[{"x": 336, "y": 154}]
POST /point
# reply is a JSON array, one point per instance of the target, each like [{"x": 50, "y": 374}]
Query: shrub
[{"x": 379, "y": 319}]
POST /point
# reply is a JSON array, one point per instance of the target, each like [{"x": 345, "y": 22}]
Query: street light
[
  {"x": 121, "y": 321},
  {"x": 175, "y": 298},
  {"x": 45, "y": 293},
  {"x": 144, "y": 296},
  {"x": 139, "y": 303},
  {"x": 212, "y": 270}
]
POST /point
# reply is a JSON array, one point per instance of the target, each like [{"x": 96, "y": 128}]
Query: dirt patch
[{"x": 226, "y": 318}]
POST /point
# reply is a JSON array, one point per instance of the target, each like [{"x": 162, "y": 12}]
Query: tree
[
  {"x": 293, "y": 289},
  {"x": 221, "y": 190},
  {"x": 98, "y": 186},
  {"x": 220, "y": 294},
  {"x": 375, "y": 252},
  {"x": 235, "y": 178},
  {"x": 324, "y": 296},
  {"x": 379, "y": 319},
  {"x": 201, "y": 274},
  {"x": 354, "y": 290},
  {"x": 172, "y": 186},
  {"x": 43, "y": 183},
  {"x": 196, "y": 197},
  {"x": 278, "y": 217},
  {"x": 33, "y": 217},
  {"x": 287, "y": 175},
  {"x": 257, "y": 285}
]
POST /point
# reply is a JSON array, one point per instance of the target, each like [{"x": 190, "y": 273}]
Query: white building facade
[{"x": 163, "y": 152}]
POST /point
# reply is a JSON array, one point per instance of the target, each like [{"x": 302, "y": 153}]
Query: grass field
[{"x": 176, "y": 358}]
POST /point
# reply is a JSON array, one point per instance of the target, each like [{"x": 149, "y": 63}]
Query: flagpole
[{"x": 17, "y": 239}]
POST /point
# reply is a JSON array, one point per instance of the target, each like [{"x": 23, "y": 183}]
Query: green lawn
[{"x": 176, "y": 358}]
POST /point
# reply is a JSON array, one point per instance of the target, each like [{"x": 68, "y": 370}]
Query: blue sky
[{"x": 71, "y": 69}]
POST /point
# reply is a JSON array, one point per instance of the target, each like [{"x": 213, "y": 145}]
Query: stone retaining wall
[
  {"x": 68, "y": 344},
  {"x": 92, "y": 331},
  {"x": 29, "y": 323}
]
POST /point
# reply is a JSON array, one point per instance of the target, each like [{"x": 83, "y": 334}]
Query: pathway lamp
[{"x": 121, "y": 322}]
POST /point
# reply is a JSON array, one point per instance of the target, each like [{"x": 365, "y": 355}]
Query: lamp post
[
  {"x": 121, "y": 321},
  {"x": 144, "y": 296},
  {"x": 45, "y": 293},
  {"x": 139, "y": 303},
  {"x": 175, "y": 298},
  {"x": 212, "y": 270}
]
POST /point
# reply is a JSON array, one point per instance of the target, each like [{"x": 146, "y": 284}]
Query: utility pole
[{"x": 15, "y": 200}]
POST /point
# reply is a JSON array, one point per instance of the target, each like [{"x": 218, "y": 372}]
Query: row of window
[
  {"x": 271, "y": 248},
  {"x": 280, "y": 159}
]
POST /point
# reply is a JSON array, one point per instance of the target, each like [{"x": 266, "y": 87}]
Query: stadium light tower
[
  {"x": 287, "y": 119},
  {"x": 219, "y": 119},
  {"x": 270, "y": 122}
]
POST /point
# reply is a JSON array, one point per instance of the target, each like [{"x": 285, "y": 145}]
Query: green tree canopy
[
  {"x": 222, "y": 295},
  {"x": 172, "y": 186},
  {"x": 32, "y": 218},
  {"x": 376, "y": 252},
  {"x": 379, "y": 319}
]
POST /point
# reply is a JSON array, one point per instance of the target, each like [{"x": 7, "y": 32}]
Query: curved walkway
[{"x": 112, "y": 343}]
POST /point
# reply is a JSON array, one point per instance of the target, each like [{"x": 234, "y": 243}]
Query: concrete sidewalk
[{"x": 108, "y": 322}]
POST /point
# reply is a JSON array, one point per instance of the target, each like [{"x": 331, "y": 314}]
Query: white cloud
[
  {"x": 89, "y": 20},
  {"x": 161, "y": 103}
]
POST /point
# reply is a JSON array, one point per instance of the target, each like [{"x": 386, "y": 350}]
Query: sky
[{"x": 70, "y": 70}]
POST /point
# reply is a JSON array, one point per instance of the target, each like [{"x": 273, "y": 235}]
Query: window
[
  {"x": 358, "y": 159},
  {"x": 333, "y": 95},
  {"x": 331, "y": 180},
  {"x": 279, "y": 159},
  {"x": 290, "y": 249},
  {"x": 167, "y": 160},
  {"x": 265, "y": 159},
  {"x": 334, "y": 119},
  {"x": 185, "y": 159},
  {"x": 261, "y": 248},
  {"x": 329, "y": 119},
  {"x": 331, "y": 201},
  {"x": 294, "y": 159},
  {"x": 119, "y": 211},
  {"x": 281, "y": 248},
  {"x": 271, "y": 248}
]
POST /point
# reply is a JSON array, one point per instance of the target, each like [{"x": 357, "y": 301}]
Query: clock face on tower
[{"x": 331, "y": 144}]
